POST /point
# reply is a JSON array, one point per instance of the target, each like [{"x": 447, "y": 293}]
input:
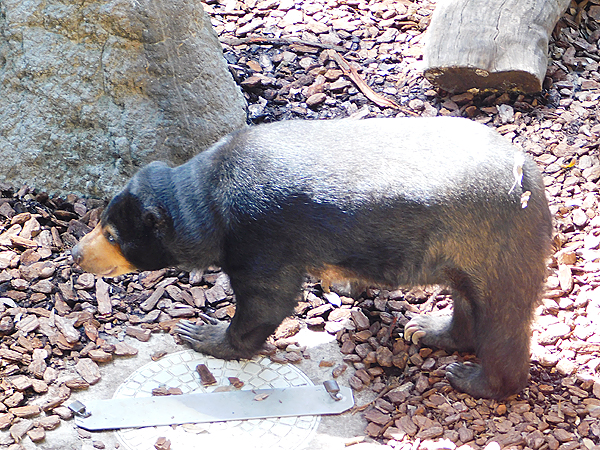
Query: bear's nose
[{"x": 76, "y": 253}]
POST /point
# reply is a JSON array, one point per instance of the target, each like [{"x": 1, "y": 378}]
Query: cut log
[{"x": 490, "y": 44}]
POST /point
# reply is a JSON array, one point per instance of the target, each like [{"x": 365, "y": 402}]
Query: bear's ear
[{"x": 154, "y": 217}]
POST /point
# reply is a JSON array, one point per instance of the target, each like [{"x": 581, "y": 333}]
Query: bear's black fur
[{"x": 393, "y": 201}]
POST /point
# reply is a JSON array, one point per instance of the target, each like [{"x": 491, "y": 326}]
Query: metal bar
[{"x": 212, "y": 407}]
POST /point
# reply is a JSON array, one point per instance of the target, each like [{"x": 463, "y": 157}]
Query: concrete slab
[{"x": 332, "y": 433}]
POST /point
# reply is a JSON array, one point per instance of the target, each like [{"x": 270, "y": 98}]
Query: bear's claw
[
  {"x": 413, "y": 332},
  {"x": 187, "y": 330},
  {"x": 202, "y": 337}
]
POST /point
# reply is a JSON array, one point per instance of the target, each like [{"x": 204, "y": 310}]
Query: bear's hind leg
[
  {"x": 503, "y": 350},
  {"x": 491, "y": 319},
  {"x": 502, "y": 308}
]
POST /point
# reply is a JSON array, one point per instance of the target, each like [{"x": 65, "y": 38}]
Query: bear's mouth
[
  {"x": 110, "y": 272},
  {"x": 115, "y": 271}
]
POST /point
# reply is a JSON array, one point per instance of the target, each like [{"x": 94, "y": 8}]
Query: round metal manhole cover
[{"x": 179, "y": 370}]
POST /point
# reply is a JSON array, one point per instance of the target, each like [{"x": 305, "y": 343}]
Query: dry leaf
[{"x": 525, "y": 199}]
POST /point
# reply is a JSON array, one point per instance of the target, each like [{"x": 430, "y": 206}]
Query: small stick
[
  {"x": 390, "y": 330},
  {"x": 390, "y": 423},
  {"x": 376, "y": 98},
  {"x": 393, "y": 384},
  {"x": 260, "y": 40}
]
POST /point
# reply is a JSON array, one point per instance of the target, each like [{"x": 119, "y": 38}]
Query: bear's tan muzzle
[{"x": 96, "y": 254}]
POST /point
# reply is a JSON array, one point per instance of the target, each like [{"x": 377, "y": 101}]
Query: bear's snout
[{"x": 94, "y": 253}]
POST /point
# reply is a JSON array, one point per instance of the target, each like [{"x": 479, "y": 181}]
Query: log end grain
[{"x": 462, "y": 79}]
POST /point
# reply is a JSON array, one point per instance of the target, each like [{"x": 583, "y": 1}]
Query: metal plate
[
  {"x": 213, "y": 407},
  {"x": 178, "y": 370}
]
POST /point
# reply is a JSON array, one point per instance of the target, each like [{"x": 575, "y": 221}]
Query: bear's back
[{"x": 421, "y": 159}]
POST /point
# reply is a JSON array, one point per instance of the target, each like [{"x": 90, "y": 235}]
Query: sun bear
[{"x": 406, "y": 201}]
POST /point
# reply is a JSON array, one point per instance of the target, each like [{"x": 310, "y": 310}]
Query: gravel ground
[{"x": 312, "y": 60}]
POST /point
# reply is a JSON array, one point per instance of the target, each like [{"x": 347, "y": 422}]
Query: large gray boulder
[{"x": 91, "y": 90}]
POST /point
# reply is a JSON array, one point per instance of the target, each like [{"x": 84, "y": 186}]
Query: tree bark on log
[{"x": 490, "y": 44}]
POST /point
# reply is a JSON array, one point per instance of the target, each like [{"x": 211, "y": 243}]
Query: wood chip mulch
[{"x": 55, "y": 321}]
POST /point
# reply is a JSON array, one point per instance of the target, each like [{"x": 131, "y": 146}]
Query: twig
[
  {"x": 388, "y": 334},
  {"x": 261, "y": 40},
  {"x": 376, "y": 98},
  {"x": 354, "y": 441},
  {"x": 390, "y": 423},
  {"x": 393, "y": 384}
]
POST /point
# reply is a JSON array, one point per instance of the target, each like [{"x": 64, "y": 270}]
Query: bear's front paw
[
  {"x": 209, "y": 339},
  {"x": 430, "y": 330},
  {"x": 437, "y": 331}
]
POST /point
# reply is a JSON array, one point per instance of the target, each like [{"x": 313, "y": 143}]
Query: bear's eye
[{"x": 110, "y": 238}]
